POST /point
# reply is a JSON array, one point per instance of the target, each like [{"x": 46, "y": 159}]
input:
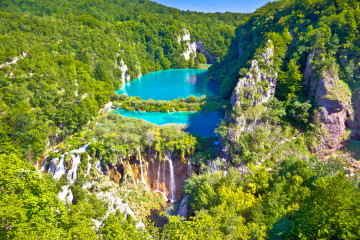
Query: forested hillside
[
  {"x": 305, "y": 53},
  {"x": 62, "y": 60},
  {"x": 284, "y": 165}
]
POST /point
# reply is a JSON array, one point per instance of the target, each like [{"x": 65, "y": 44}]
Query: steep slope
[
  {"x": 60, "y": 61},
  {"x": 314, "y": 66}
]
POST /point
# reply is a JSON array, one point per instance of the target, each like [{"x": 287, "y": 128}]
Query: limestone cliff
[
  {"x": 255, "y": 88},
  {"x": 333, "y": 99},
  {"x": 157, "y": 173},
  {"x": 259, "y": 84},
  {"x": 354, "y": 122}
]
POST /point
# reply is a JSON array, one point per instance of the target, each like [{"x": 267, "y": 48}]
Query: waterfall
[
  {"x": 158, "y": 177},
  {"x": 122, "y": 83},
  {"x": 52, "y": 165},
  {"x": 172, "y": 182},
  {"x": 183, "y": 207},
  {"x": 189, "y": 168},
  {"x": 72, "y": 173},
  {"x": 44, "y": 165},
  {"x": 141, "y": 170},
  {"x": 88, "y": 168},
  {"x": 172, "y": 178},
  {"x": 99, "y": 167},
  {"x": 163, "y": 194},
  {"x": 60, "y": 168},
  {"x": 66, "y": 194},
  {"x": 163, "y": 175}
]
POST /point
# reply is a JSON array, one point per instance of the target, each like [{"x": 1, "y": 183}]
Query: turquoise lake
[
  {"x": 171, "y": 84},
  {"x": 203, "y": 123}
]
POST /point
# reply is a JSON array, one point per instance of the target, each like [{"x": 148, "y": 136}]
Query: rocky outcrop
[
  {"x": 14, "y": 60},
  {"x": 192, "y": 48},
  {"x": 209, "y": 58},
  {"x": 354, "y": 121},
  {"x": 258, "y": 85},
  {"x": 156, "y": 173},
  {"x": 125, "y": 77},
  {"x": 166, "y": 176},
  {"x": 333, "y": 99}
]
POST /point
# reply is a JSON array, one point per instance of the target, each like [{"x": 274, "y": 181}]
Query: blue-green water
[
  {"x": 171, "y": 84},
  {"x": 203, "y": 123}
]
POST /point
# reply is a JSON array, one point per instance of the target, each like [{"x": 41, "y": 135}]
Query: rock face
[
  {"x": 258, "y": 85},
  {"x": 201, "y": 49},
  {"x": 354, "y": 123},
  {"x": 333, "y": 99},
  {"x": 194, "y": 47},
  {"x": 157, "y": 174}
]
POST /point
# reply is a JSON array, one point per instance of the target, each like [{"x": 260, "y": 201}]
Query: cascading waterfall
[
  {"x": 158, "y": 177},
  {"x": 123, "y": 83},
  {"x": 141, "y": 170},
  {"x": 162, "y": 179},
  {"x": 52, "y": 165},
  {"x": 99, "y": 168},
  {"x": 189, "y": 167},
  {"x": 183, "y": 207},
  {"x": 88, "y": 166},
  {"x": 172, "y": 182},
  {"x": 172, "y": 179},
  {"x": 60, "y": 168},
  {"x": 44, "y": 165},
  {"x": 163, "y": 174},
  {"x": 72, "y": 173}
]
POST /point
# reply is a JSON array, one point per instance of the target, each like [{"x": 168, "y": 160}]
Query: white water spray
[
  {"x": 172, "y": 179},
  {"x": 183, "y": 207},
  {"x": 158, "y": 177},
  {"x": 60, "y": 168},
  {"x": 52, "y": 165},
  {"x": 76, "y": 157},
  {"x": 141, "y": 170},
  {"x": 189, "y": 168},
  {"x": 72, "y": 173},
  {"x": 44, "y": 165}
]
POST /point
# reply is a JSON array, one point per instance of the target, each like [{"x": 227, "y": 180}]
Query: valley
[{"x": 128, "y": 119}]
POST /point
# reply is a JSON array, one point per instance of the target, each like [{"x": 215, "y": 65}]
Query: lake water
[
  {"x": 203, "y": 123},
  {"x": 171, "y": 84}
]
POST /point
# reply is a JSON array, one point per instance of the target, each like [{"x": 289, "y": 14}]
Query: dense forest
[
  {"x": 62, "y": 60},
  {"x": 285, "y": 162}
]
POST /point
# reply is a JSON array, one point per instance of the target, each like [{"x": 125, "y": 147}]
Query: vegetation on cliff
[
  {"x": 62, "y": 61},
  {"x": 189, "y": 104}
]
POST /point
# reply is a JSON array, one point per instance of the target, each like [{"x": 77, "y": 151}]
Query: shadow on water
[
  {"x": 204, "y": 123},
  {"x": 170, "y": 84},
  {"x": 204, "y": 85}
]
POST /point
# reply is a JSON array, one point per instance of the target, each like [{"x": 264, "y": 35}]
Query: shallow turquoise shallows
[
  {"x": 203, "y": 123},
  {"x": 171, "y": 84}
]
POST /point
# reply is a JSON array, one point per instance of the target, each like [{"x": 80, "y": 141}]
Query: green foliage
[
  {"x": 117, "y": 226},
  {"x": 297, "y": 199},
  {"x": 29, "y": 206},
  {"x": 68, "y": 55},
  {"x": 289, "y": 82},
  {"x": 117, "y": 137},
  {"x": 324, "y": 27},
  {"x": 299, "y": 112},
  {"x": 331, "y": 210},
  {"x": 191, "y": 103}
]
